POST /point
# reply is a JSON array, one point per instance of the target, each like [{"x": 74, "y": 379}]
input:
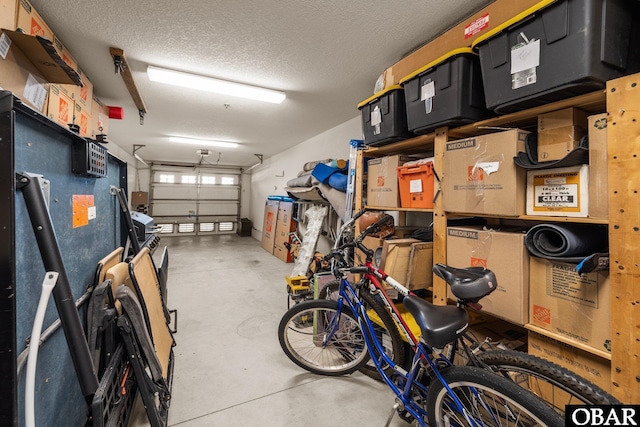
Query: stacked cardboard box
[
  {"x": 571, "y": 305},
  {"x": 480, "y": 176},
  {"x": 68, "y": 103},
  {"x": 269, "y": 225},
  {"x": 284, "y": 226},
  {"x": 504, "y": 253},
  {"x": 382, "y": 181}
]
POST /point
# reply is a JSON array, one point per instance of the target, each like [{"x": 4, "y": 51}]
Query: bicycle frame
[{"x": 405, "y": 390}]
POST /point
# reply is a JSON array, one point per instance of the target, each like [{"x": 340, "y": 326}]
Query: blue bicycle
[{"x": 338, "y": 337}]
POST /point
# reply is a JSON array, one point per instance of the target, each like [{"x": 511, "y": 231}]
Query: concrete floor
[{"x": 229, "y": 368}]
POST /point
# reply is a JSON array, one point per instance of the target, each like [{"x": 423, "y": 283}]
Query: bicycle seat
[
  {"x": 439, "y": 325},
  {"x": 467, "y": 284}
]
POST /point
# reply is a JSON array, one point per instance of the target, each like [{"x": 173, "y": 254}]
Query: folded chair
[
  {"x": 101, "y": 328},
  {"x": 143, "y": 321}
]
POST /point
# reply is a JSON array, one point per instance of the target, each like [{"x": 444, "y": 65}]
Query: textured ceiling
[{"x": 326, "y": 55}]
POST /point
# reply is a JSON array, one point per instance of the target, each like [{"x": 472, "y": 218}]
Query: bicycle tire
[
  {"x": 528, "y": 370},
  {"x": 397, "y": 349},
  {"x": 495, "y": 396},
  {"x": 302, "y": 330}
]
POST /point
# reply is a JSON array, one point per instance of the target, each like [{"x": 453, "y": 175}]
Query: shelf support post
[
  {"x": 623, "y": 145},
  {"x": 439, "y": 220}
]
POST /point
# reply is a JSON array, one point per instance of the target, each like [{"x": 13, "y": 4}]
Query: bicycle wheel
[
  {"x": 387, "y": 333},
  {"x": 304, "y": 329},
  {"x": 553, "y": 383},
  {"x": 488, "y": 399}
]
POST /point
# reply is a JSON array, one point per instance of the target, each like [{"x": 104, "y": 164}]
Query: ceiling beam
[{"x": 122, "y": 68}]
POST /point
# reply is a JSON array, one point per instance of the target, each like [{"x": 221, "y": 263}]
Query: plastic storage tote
[
  {"x": 558, "y": 49},
  {"x": 445, "y": 92},
  {"x": 416, "y": 185},
  {"x": 384, "y": 120}
]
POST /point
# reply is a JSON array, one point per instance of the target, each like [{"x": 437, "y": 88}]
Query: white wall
[
  {"x": 271, "y": 177},
  {"x": 131, "y": 166}
]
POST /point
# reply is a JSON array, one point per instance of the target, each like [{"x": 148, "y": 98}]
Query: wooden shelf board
[
  {"x": 386, "y": 208},
  {"x": 533, "y": 218},
  {"x": 412, "y": 145},
  {"x": 563, "y": 339}
]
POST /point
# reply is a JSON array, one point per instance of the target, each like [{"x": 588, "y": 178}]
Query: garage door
[{"x": 195, "y": 200}]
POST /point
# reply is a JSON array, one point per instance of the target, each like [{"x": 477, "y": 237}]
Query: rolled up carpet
[{"x": 566, "y": 242}]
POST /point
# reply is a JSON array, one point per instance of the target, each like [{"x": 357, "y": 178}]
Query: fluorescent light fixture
[
  {"x": 210, "y": 84},
  {"x": 205, "y": 142}
]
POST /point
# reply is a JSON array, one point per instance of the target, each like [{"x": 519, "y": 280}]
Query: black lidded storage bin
[
  {"x": 445, "y": 92},
  {"x": 582, "y": 44},
  {"x": 384, "y": 120}
]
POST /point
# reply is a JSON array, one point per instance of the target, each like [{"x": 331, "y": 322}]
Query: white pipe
[{"x": 49, "y": 282}]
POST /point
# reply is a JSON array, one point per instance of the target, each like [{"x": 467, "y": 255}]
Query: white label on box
[
  {"x": 564, "y": 282},
  {"x": 525, "y": 56},
  {"x": 557, "y": 196},
  {"x": 428, "y": 90},
  {"x": 34, "y": 92},
  {"x": 415, "y": 186},
  {"x": 524, "y": 78},
  {"x": 92, "y": 212},
  {"x": 488, "y": 167},
  {"x": 5, "y": 44},
  {"x": 376, "y": 117}
]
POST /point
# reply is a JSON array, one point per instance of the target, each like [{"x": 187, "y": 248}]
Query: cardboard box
[
  {"x": 284, "y": 226},
  {"x": 502, "y": 252},
  {"x": 589, "y": 366},
  {"x": 408, "y": 261},
  {"x": 139, "y": 198},
  {"x": 559, "y": 132},
  {"x": 480, "y": 176},
  {"x": 461, "y": 35},
  {"x": 99, "y": 119},
  {"x": 558, "y": 192},
  {"x": 30, "y": 21},
  {"x": 60, "y": 107},
  {"x": 382, "y": 181},
  {"x": 420, "y": 273},
  {"x": 20, "y": 76},
  {"x": 598, "y": 167},
  {"x": 269, "y": 225},
  {"x": 65, "y": 54},
  {"x": 84, "y": 94},
  {"x": 282, "y": 253},
  {"x": 571, "y": 305},
  {"x": 82, "y": 118}
]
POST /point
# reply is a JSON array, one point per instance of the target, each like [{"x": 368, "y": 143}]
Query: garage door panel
[
  {"x": 218, "y": 192},
  {"x": 169, "y": 208},
  {"x": 174, "y": 191},
  {"x": 218, "y": 208}
]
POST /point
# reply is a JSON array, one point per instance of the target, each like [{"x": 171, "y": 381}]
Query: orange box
[
  {"x": 99, "y": 118},
  {"x": 30, "y": 21},
  {"x": 61, "y": 107},
  {"x": 82, "y": 118},
  {"x": 416, "y": 185}
]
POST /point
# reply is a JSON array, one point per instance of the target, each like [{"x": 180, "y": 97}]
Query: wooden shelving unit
[{"x": 622, "y": 102}]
